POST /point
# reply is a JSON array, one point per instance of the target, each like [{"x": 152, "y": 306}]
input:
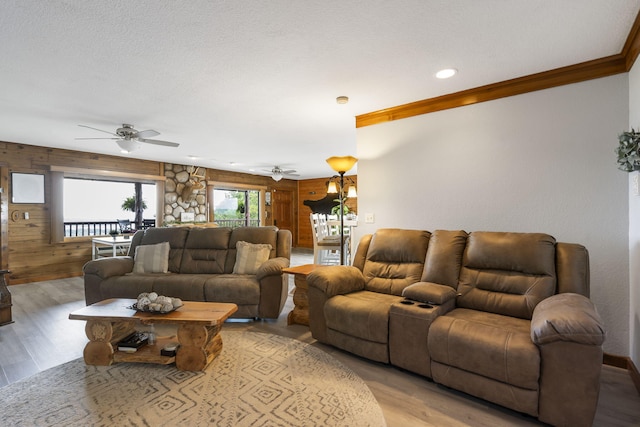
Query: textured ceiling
[{"x": 255, "y": 82}]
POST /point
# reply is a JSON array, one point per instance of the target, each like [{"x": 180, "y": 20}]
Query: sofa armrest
[
  {"x": 567, "y": 317},
  {"x": 273, "y": 287},
  {"x": 108, "y": 267},
  {"x": 336, "y": 280},
  {"x": 272, "y": 267},
  {"x": 429, "y": 292}
]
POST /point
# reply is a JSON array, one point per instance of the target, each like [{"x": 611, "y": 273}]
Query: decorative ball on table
[{"x": 152, "y": 302}]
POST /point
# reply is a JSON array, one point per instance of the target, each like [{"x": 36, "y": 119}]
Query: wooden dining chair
[{"x": 326, "y": 248}]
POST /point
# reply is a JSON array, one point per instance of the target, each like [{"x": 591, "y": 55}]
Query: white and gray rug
[{"x": 258, "y": 380}]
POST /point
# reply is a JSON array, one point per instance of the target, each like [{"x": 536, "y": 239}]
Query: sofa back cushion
[
  {"x": 507, "y": 273},
  {"x": 267, "y": 235},
  {"x": 444, "y": 257},
  {"x": 175, "y": 236},
  {"x": 572, "y": 268},
  {"x": 395, "y": 260},
  {"x": 205, "y": 250}
]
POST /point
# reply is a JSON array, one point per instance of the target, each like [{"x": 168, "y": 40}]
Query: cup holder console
[{"x": 421, "y": 305}]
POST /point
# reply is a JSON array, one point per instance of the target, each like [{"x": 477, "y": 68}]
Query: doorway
[{"x": 282, "y": 207}]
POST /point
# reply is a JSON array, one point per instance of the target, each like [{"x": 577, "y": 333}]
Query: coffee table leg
[
  {"x": 98, "y": 350},
  {"x": 199, "y": 345},
  {"x": 101, "y": 333}
]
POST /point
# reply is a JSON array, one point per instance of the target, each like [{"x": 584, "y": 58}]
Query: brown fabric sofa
[
  {"x": 200, "y": 268},
  {"x": 502, "y": 316}
]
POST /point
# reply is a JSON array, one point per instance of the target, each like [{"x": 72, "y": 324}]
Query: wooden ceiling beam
[{"x": 576, "y": 73}]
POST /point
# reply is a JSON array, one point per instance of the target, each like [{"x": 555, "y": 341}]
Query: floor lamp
[{"x": 341, "y": 165}]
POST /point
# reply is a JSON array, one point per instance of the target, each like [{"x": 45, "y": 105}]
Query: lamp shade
[
  {"x": 341, "y": 164},
  {"x": 351, "y": 192},
  {"x": 276, "y": 175},
  {"x": 332, "y": 188}
]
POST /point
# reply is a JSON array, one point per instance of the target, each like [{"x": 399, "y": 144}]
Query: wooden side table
[{"x": 300, "y": 312}]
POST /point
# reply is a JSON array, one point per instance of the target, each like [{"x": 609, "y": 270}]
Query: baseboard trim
[{"x": 623, "y": 362}]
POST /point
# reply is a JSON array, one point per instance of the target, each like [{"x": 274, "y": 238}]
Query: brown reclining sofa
[
  {"x": 201, "y": 267},
  {"x": 502, "y": 316}
]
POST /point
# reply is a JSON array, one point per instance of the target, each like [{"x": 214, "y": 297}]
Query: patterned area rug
[{"x": 258, "y": 380}]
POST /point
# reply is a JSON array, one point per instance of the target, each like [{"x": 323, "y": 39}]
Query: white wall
[
  {"x": 538, "y": 162},
  {"x": 634, "y": 226}
]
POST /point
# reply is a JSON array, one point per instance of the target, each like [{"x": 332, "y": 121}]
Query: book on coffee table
[{"x": 133, "y": 342}]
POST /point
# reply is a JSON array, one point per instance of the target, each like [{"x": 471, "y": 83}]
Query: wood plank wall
[
  {"x": 314, "y": 189},
  {"x": 28, "y": 252}
]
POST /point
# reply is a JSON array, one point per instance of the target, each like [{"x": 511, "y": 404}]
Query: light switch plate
[{"x": 369, "y": 218}]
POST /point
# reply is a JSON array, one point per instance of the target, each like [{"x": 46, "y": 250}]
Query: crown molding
[{"x": 576, "y": 73}]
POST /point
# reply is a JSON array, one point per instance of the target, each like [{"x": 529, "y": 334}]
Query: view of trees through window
[
  {"x": 95, "y": 201},
  {"x": 236, "y": 208}
]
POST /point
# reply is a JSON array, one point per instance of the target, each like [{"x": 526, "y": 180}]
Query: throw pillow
[
  {"x": 152, "y": 258},
  {"x": 250, "y": 256}
]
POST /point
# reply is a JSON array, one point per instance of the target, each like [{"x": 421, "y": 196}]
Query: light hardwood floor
[{"x": 43, "y": 336}]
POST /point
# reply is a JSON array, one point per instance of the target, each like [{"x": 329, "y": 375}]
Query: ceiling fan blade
[
  {"x": 100, "y": 138},
  {"x": 99, "y": 130},
  {"x": 147, "y": 133},
  {"x": 289, "y": 172},
  {"x": 159, "y": 142}
]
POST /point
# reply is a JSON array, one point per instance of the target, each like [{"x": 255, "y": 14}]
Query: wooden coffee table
[{"x": 111, "y": 320}]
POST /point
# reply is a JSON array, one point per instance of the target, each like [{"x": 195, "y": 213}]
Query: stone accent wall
[{"x": 184, "y": 192}]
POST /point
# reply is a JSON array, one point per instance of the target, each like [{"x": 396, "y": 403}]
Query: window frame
[{"x": 58, "y": 173}]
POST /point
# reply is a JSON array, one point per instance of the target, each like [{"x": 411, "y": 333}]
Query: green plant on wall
[
  {"x": 627, "y": 151},
  {"x": 129, "y": 204},
  {"x": 336, "y": 209}
]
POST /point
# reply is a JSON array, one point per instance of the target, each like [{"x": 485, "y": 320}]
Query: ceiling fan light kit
[
  {"x": 128, "y": 145},
  {"x": 277, "y": 173}
]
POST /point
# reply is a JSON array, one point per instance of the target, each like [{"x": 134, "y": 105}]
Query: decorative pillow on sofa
[
  {"x": 250, "y": 256},
  {"x": 152, "y": 258}
]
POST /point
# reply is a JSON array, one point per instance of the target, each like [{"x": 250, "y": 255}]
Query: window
[
  {"x": 100, "y": 201},
  {"x": 94, "y": 206},
  {"x": 236, "y": 208}
]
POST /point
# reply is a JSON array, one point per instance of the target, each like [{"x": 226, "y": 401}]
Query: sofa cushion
[
  {"x": 444, "y": 257},
  {"x": 267, "y": 235},
  {"x": 127, "y": 286},
  {"x": 487, "y": 344},
  {"x": 188, "y": 287},
  {"x": 151, "y": 258},
  {"x": 395, "y": 260},
  {"x": 205, "y": 251},
  {"x": 363, "y": 314},
  {"x": 240, "y": 289},
  {"x": 250, "y": 256},
  {"x": 176, "y": 236},
  {"x": 507, "y": 273}
]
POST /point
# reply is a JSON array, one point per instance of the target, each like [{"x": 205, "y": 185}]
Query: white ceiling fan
[
  {"x": 277, "y": 173},
  {"x": 129, "y": 139}
]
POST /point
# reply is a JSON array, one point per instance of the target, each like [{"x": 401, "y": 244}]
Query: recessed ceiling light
[
  {"x": 446, "y": 73},
  {"x": 342, "y": 99}
]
